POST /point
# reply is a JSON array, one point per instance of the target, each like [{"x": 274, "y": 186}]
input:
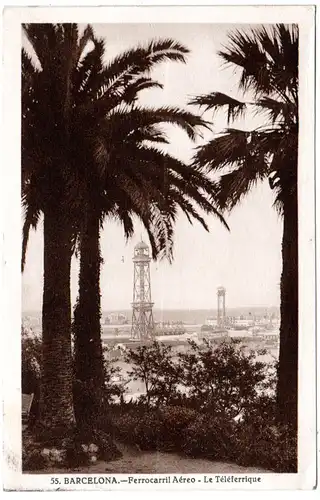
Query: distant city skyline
[
  {"x": 185, "y": 316},
  {"x": 246, "y": 260},
  {"x": 241, "y": 310}
]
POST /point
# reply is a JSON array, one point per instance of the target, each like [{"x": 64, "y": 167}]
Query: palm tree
[
  {"x": 144, "y": 182},
  {"x": 267, "y": 61},
  {"x": 46, "y": 173},
  {"x": 67, "y": 98},
  {"x": 135, "y": 179}
]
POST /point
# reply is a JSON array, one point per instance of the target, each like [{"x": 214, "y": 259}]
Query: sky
[{"x": 246, "y": 260}]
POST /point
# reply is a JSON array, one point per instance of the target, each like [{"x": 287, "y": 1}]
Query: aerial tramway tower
[
  {"x": 142, "y": 316},
  {"x": 221, "y": 295}
]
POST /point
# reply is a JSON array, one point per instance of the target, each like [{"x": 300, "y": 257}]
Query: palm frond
[
  {"x": 139, "y": 60},
  {"x": 247, "y": 157},
  {"x": 126, "y": 68},
  {"x": 125, "y": 121},
  {"x": 27, "y": 66},
  {"x": 131, "y": 91},
  {"x": 267, "y": 58},
  {"x": 87, "y": 36},
  {"x": 234, "y": 185},
  {"x": 150, "y": 133},
  {"x": 277, "y": 110},
  {"x": 165, "y": 171},
  {"x": 42, "y": 37},
  {"x": 87, "y": 73},
  {"x": 216, "y": 100},
  {"x": 28, "y": 74},
  {"x": 124, "y": 216},
  {"x": 244, "y": 52},
  {"x": 226, "y": 150},
  {"x": 162, "y": 224},
  {"x": 187, "y": 207},
  {"x": 31, "y": 219}
]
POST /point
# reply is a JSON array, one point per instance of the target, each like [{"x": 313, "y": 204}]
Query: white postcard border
[{"x": 13, "y": 17}]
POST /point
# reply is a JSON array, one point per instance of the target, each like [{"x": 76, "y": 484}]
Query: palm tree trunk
[
  {"x": 56, "y": 399},
  {"x": 89, "y": 360},
  {"x": 287, "y": 391}
]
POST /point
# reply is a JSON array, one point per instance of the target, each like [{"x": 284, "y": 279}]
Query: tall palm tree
[
  {"x": 46, "y": 173},
  {"x": 67, "y": 98},
  {"x": 133, "y": 177},
  {"x": 267, "y": 62},
  {"x": 140, "y": 180}
]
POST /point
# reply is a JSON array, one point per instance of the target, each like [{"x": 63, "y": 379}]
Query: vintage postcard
[{"x": 159, "y": 248}]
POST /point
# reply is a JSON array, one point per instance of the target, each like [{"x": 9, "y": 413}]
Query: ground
[{"x": 135, "y": 461}]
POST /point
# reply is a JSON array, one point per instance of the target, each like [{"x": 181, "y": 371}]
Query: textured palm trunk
[
  {"x": 56, "y": 399},
  {"x": 89, "y": 361},
  {"x": 287, "y": 392}
]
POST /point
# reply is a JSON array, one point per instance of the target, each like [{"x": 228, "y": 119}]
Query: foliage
[
  {"x": 113, "y": 390},
  {"x": 227, "y": 411},
  {"x": 32, "y": 459},
  {"x": 31, "y": 354},
  {"x": 175, "y": 419},
  {"x": 258, "y": 442},
  {"x": 274, "y": 447},
  {"x": 88, "y": 445},
  {"x": 66, "y": 449},
  {"x": 266, "y": 60},
  {"x": 30, "y": 360},
  {"x": 91, "y": 115},
  {"x": 140, "y": 428},
  {"x": 225, "y": 379},
  {"x": 82, "y": 391},
  {"x": 211, "y": 436},
  {"x": 154, "y": 365},
  {"x": 154, "y": 429}
]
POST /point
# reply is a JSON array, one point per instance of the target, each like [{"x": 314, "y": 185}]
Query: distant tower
[
  {"x": 221, "y": 294},
  {"x": 142, "y": 317}
]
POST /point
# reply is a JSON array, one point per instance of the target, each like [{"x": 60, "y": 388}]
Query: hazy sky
[{"x": 246, "y": 260}]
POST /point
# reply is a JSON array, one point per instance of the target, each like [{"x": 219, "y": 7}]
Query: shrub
[
  {"x": 32, "y": 459},
  {"x": 143, "y": 429},
  {"x": 30, "y": 369},
  {"x": 125, "y": 426},
  {"x": 89, "y": 444},
  {"x": 266, "y": 445},
  {"x": 256, "y": 444},
  {"x": 149, "y": 431},
  {"x": 76, "y": 454},
  {"x": 70, "y": 449},
  {"x": 155, "y": 429},
  {"x": 107, "y": 450},
  {"x": 154, "y": 365},
  {"x": 223, "y": 379},
  {"x": 175, "y": 419},
  {"x": 211, "y": 437},
  {"x": 30, "y": 359}
]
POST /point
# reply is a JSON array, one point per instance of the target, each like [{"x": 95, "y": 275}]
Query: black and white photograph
[{"x": 162, "y": 252}]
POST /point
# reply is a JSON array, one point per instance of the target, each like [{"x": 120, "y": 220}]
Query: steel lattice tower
[
  {"x": 221, "y": 294},
  {"x": 142, "y": 316}
]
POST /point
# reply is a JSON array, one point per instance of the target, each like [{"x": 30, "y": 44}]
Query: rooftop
[{"x": 141, "y": 246}]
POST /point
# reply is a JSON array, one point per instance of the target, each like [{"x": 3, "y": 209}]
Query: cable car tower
[
  {"x": 142, "y": 316},
  {"x": 221, "y": 295}
]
